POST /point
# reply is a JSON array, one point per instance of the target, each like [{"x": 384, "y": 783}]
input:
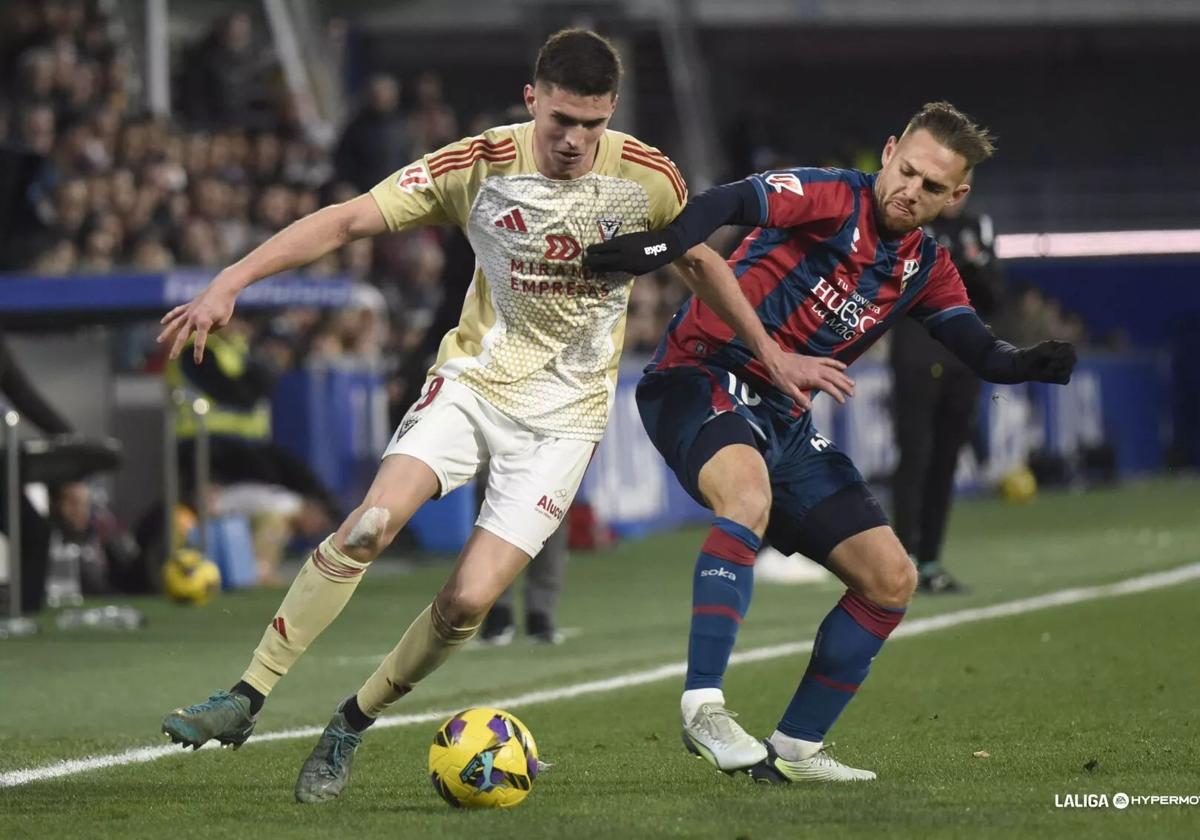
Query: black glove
[
  {"x": 1049, "y": 361},
  {"x": 634, "y": 253}
]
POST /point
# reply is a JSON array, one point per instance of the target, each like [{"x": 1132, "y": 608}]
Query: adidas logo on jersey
[{"x": 511, "y": 219}]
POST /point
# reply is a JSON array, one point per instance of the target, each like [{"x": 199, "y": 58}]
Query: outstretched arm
[
  {"x": 998, "y": 361},
  {"x": 300, "y": 243},
  {"x": 712, "y": 281},
  {"x": 640, "y": 253}
]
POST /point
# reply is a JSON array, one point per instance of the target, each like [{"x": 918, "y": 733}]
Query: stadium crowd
[{"x": 120, "y": 189}]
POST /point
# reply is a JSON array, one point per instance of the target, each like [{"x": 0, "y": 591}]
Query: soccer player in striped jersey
[
  {"x": 522, "y": 385},
  {"x": 836, "y": 258}
]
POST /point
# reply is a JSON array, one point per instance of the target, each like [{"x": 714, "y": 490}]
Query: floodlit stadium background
[{"x": 148, "y": 143}]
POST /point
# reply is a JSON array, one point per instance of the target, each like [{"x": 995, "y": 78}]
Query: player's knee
[
  {"x": 748, "y": 504},
  {"x": 463, "y": 605},
  {"x": 895, "y": 586}
]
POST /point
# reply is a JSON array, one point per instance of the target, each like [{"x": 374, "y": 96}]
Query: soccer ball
[
  {"x": 191, "y": 578},
  {"x": 1018, "y": 486},
  {"x": 483, "y": 758}
]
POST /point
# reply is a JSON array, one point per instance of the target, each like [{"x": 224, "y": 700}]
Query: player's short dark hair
[
  {"x": 580, "y": 61},
  {"x": 954, "y": 130}
]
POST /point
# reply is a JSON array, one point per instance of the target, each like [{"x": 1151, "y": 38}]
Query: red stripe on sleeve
[{"x": 438, "y": 158}]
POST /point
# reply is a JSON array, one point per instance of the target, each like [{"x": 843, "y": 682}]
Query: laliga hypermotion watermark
[{"x": 1121, "y": 800}]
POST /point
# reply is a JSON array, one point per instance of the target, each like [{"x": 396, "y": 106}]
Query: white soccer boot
[
  {"x": 714, "y": 735},
  {"x": 818, "y": 767}
]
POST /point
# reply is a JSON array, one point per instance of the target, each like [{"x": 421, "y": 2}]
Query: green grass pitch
[{"x": 1092, "y": 697}]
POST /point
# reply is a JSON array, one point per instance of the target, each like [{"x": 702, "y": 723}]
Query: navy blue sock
[
  {"x": 721, "y": 587},
  {"x": 847, "y": 641}
]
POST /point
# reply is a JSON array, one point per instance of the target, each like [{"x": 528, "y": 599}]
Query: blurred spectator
[
  {"x": 101, "y": 242},
  {"x": 378, "y": 139},
  {"x": 37, "y": 128},
  {"x": 37, "y": 75},
  {"x": 934, "y": 401},
  {"x": 150, "y": 254},
  {"x": 265, "y": 158},
  {"x": 89, "y": 552},
  {"x": 59, "y": 258},
  {"x": 1035, "y": 317},
  {"x": 223, "y": 80},
  {"x": 273, "y": 211},
  {"x": 198, "y": 244},
  {"x": 434, "y": 122}
]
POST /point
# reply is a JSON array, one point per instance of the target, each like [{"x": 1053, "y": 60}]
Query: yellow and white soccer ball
[
  {"x": 191, "y": 578},
  {"x": 1018, "y": 486},
  {"x": 483, "y": 758}
]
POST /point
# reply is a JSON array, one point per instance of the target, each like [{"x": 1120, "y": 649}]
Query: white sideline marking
[{"x": 916, "y": 627}]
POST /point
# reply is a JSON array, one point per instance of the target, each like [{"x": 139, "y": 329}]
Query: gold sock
[
  {"x": 317, "y": 595},
  {"x": 426, "y": 644}
]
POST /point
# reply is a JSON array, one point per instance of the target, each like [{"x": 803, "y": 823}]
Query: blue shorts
[{"x": 819, "y": 498}]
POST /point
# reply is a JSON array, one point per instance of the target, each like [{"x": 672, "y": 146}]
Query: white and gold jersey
[{"x": 539, "y": 337}]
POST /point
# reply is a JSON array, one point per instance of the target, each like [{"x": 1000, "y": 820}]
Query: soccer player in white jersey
[{"x": 523, "y": 384}]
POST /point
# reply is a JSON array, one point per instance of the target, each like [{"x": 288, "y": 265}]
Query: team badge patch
[
  {"x": 608, "y": 228},
  {"x": 911, "y": 267}
]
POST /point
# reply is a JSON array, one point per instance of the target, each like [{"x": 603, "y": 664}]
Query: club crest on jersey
[
  {"x": 780, "y": 181},
  {"x": 412, "y": 178},
  {"x": 911, "y": 267},
  {"x": 608, "y": 228},
  {"x": 511, "y": 219}
]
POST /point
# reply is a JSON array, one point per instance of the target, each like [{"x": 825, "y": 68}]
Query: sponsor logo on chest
[{"x": 842, "y": 309}]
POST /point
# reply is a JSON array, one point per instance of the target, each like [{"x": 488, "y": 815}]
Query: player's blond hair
[{"x": 954, "y": 130}]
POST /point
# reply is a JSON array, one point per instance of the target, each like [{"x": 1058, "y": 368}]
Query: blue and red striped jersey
[{"x": 821, "y": 277}]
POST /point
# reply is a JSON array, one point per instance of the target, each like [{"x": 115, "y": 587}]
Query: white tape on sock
[{"x": 369, "y": 528}]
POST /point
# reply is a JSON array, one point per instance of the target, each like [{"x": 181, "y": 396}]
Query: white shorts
[{"x": 532, "y": 477}]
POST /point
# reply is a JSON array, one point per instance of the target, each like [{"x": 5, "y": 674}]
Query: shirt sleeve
[
  {"x": 439, "y": 188},
  {"x": 668, "y": 195},
  {"x": 661, "y": 179},
  {"x": 944, "y": 296},
  {"x": 410, "y": 198},
  {"x": 794, "y": 197}
]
